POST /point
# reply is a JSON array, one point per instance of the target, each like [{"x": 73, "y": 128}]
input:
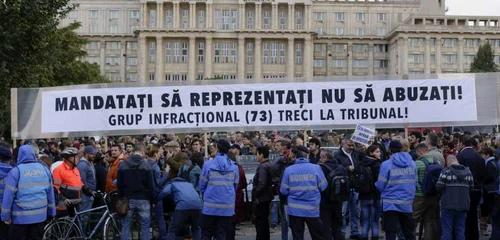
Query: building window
[
  {"x": 217, "y": 52},
  {"x": 175, "y": 77},
  {"x": 433, "y": 58},
  {"x": 177, "y": 51},
  {"x": 359, "y": 47},
  {"x": 282, "y": 53},
  {"x": 360, "y": 17},
  {"x": 339, "y": 31},
  {"x": 282, "y": 20},
  {"x": 113, "y": 14},
  {"x": 73, "y": 14},
  {"x": 201, "y": 52},
  {"x": 185, "y": 17},
  {"x": 249, "y": 52},
  {"x": 382, "y": 48},
  {"x": 381, "y": 17},
  {"x": 218, "y": 19},
  {"x": 360, "y": 63},
  {"x": 93, "y": 28},
  {"x": 468, "y": 59},
  {"x": 200, "y": 76},
  {"x": 319, "y": 31},
  {"x": 298, "y": 20},
  {"x": 134, "y": 14},
  {"x": 433, "y": 42},
  {"x": 93, "y": 45},
  {"x": 234, "y": 19},
  {"x": 450, "y": 58},
  {"x": 266, "y": 52},
  {"x": 338, "y": 63},
  {"x": 416, "y": 58},
  {"x": 339, "y": 16},
  {"x": 274, "y": 52},
  {"x": 225, "y": 52},
  {"x": 360, "y": 32},
  {"x": 94, "y": 14},
  {"x": 131, "y": 61},
  {"x": 184, "y": 52},
  {"x": 319, "y": 63},
  {"x": 496, "y": 59},
  {"x": 416, "y": 42},
  {"x": 298, "y": 53},
  {"x": 113, "y": 45},
  {"x": 320, "y": 47},
  {"x": 250, "y": 19},
  {"x": 113, "y": 76},
  {"x": 201, "y": 19},
  {"x": 494, "y": 42},
  {"x": 225, "y": 19},
  {"x": 132, "y": 76},
  {"x": 113, "y": 28},
  {"x": 381, "y": 63},
  {"x": 132, "y": 45},
  {"x": 152, "y": 52},
  {"x": 168, "y": 77},
  {"x": 266, "y": 19},
  {"x": 184, "y": 77},
  {"x": 152, "y": 18},
  {"x": 151, "y": 76},
  {"x": 449, "y": 42},
  {"x": 381, "y": 32},
  {"x": 339, "y": 47},
  {"x": 233, "y": 52},
  {"x": 249, "y": 76},
  {"x": 113, "y": 60},
  {"x": 168, "y": 18},
  {"x": 168, "y": 51},
  {"x": 400, "y": 17},
  {"x": 319, "y": 16},
  {"x": 472, "y": 42}
]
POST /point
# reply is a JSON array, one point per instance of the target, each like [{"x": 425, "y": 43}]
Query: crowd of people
[{"x": 437, "y": 185}]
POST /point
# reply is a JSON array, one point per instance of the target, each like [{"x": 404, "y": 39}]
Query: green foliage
[
  {"x": 484, "y": 60},
  {"x": 35, "y": 52}
]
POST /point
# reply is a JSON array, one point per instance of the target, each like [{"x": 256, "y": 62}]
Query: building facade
[{"x": 187, "y": 40}]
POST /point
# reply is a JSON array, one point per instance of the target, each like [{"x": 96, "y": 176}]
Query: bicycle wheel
[
  {"x": 112, "y": 227},
  {"x": 62, "y": 229}
]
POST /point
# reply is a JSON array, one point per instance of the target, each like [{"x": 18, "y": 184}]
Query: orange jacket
[
  {"x": 113, "y": 174},
  {"x": 68, "y": 183}
]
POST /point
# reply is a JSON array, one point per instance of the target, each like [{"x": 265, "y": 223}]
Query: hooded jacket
[
  {"x": 158, "y": 180},
  {"x": 135, "y": 179},
  {"x": 455, "y": 183},
  {"x": 397, "y": 183},
  {"x": 87, "y": 174},
  {"x": 4, "y": 171},
  {"x": 374, "y": 165},
  {"x": 183, "y": 194},
  {"x": 218, "y": 182},
  {"x": 29, "y": 195}
]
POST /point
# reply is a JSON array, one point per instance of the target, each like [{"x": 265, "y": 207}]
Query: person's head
[
  {"x": 46, "y": 159},
  {"x": 116, "y": 150},
  {"x": 395, "y": 147},
  {"x": 451, "y": 160},
  {"x": 5, "y": 155},
  {"x": 427, "y": 132},
  {"x": 223, "y": 146},
  {"x": 299, "y": 152},
  {"x": 467, "y": 141},
  {"x": 52, "y": 147},
  {"x": 347, "y": 144},
  {"x": 247, "y": 139},
  {"x": 325, "y": 155},
  {"x": 298, "y": 141},
  {"x": 421, "y": 150},
  {"x": 196, "y": 145},
  {"x": 236, "y": 150},
  {"x": 122, "y": 146},
  {"x": 153, "y": 152},
  {"x": 374, "y": 151},
  {"x": 36, "y": 150},
  {"x": 69, "y": 156},
  {"x": 280, "y": 146},
  {"x": 432, "y": 140},
  {"x": 415, "y": 138},
  {"x": 129, "y": 147},
  {"x": 406, "y": 144},
  {"x": 487, "y": 152},
  {"x": 173, "y": 147},
  {"x": 139, "y": 149},
  {"x": 262, "y": 153},
  {"x": 314, "y": 144},
  {"x": 89, "y": 153}
]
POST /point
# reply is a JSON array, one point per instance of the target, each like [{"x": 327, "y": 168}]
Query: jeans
[
  {"x": 143, "y": 209},
  {"x": 162, "y": 227},
  {"x": 353, "y": 208},
  {"x": 84, "y": 220},
  {"x": 284, "y": 221},
  {"x": 453, "y": 221},
  {"x": 274, "y": 213},
  {"x": 180, "y": 217},
  {"x": 215, "y": 227},
  {"x": 370, "y": 217}
]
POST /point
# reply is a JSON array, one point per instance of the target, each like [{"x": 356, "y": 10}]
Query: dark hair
[
  {"x": 196, "y": 140},
  {"x": 247, "y": 137},
  {"x": 487, "y": 151},
  {"x": 117, "y": 145},
  {"x": 433, "y": 139},
  {"x": 372, "y": 148},
  {"x": 427, "y": 131},
  {"x": 395, "y": 150},
  {"x": 315, "y": 141},
  {"x": 467, "y": 140},
  {"x": 153, "y": 149},
  {"x": 451, "y": 145},
  {"x": 422, "y": 147},
  {"x": 264, "y": 151},
  {"x": 417, "y": 135},
  {"x": 139, "y": 147},
  {"x": 222, "y": 149},
  {"x": 197, "y": 159},
  {"x": 129, "y": 143}
]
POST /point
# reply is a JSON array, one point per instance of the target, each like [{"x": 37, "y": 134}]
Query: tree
[
  {"x": 35, "y": 52},
  {"x": 484, "y": 60}
]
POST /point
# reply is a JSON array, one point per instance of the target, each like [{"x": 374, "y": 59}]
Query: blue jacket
[
  {"x": 303, "y": 183},
  {"x": 218, "y": 182},
  {"x": 87, "y": 174},
  {"x": 159, "y": 181},
  {"x": 4, "y": 171},
  {"x": 194, "y": 175},
  {"x": 183, "y": 193},
  {"x": 397, "y": 182},
  {"x": 29, "y": 195}
]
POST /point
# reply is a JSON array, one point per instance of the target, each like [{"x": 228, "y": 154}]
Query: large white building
[{"x": 186, "y": 40}]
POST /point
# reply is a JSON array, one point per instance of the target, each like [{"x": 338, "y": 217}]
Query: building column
[
  {"x": 241, "y": 58},
  {"x": 257, "y": 72},
  {"x": 192, "y": 59},
  {"x": 349, "y": 58},
  {"x": 427, "y": 55},
  {"x": 192, "y": 15},
  {"x": 274, "y": 16},
  {"x": 159, "y": 14},
  {"x": 123, "y": 64},
  {"x": 241, "y": 15},
  {"x": 160, "y": 65},
  {"x": 102, "y": 56},
  {"x": 405, "y": 54},
  {"x": 208, "y": 58},
  {"x": 393, "y": 58},
  {"x": 438, "y": 55},
  {"x": 290, "y": 63},
  {"x": 258, "y": 15},
  {"x": 460, "y": 54},
  {"x": 144, "y": 13},
  {"x": 308, "y": 57},
  {"x": 370, "y": 59},
  {"x": 291, "y": 16},
  {"x": 175, "y": 15},
  {"x": 208, "y": 14},
  {"x": 307, "y": 17},
  {"x": 143, "y": 59}
]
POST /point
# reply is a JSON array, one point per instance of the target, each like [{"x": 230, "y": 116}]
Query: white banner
[
  {"x": 253, "y": 105},
  {"x": 362, "y": 134}
]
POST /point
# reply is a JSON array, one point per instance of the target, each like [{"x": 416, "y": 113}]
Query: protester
[
  {"x": 114, "y": 161},
  {"x": 432, "y": 142},
  {"x": 5, "y": 167},
  {"x": 190, "y": 171},
  {"x": 314, "y": 146},
  {"x": 415, "y": 138},
  {"x": 159, "y": 182},
  {"x": 370, "y": 200},
  {"x": 490, "y": 186},
  {"x": 279, "y": 165},
  {"x": 87, "y": 175},
  {"x": 303, "y": 183},
  {"x": 67, "y": 181},
  {"x": 262, "y": 194}
]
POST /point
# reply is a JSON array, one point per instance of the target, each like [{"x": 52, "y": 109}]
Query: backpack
[
  {"x": 185, "y": 174},
  {"x": 338, "y": 188},
  {"x": 431, "y": 177},
  {"x": 363, "y": 180}
]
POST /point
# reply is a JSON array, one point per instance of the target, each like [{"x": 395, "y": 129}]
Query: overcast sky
[{"x": 473, "y": 7}]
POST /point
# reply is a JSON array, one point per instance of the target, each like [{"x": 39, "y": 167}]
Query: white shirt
[{"x": 349, "y": 155}]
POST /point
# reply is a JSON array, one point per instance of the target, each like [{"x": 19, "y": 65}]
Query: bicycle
[{"x": 70, "y": 227}]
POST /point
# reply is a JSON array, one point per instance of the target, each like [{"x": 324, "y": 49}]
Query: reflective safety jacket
[
  {"x": 29, "y": 195},
  {"x": 303, "y": 183},
  {"x": 4, "y": 171},
  {"x": 218, "y": 183},
  {"x": 68, "y": 183}
]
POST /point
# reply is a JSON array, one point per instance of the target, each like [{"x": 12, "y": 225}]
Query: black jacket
[
  {"x": 325, "y": 203},
  {"x": 135, "y": 179},
  {"x": 100, "y": 176},
  {"x": 470, "y": 158},
  {"x": 374, "y": 165},
  {"x": 491, "y": 177},
  {"x": 314, "y": 158},
  {"x": 262, "y": 183},
  {"x": 341, "y": 158}
]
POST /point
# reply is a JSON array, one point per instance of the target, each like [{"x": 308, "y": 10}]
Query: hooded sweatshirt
[
  {"x": 397, "y": 183},
  {"x": 135, "y": 179},
  {"x": 4, "y": 171},
  {"x": 29, "y": 196},
  {"x": 455, "y": 182},
  {"x": 183, "y": 194},
  {"x": 218, "y": 182}
]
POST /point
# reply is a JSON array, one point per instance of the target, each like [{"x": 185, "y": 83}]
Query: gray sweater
[{"x": 455, "y": 183}]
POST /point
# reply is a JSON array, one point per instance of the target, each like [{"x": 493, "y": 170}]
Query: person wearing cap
[
  {"x": 87, "y": 174},
  {"x": 173, "y": 147},
  {"x": 397, "y": 183},
  {"x": 5, "y": 167},
  {"x": 218, "y": 182},
  {"x": 67, "y": 181},
  {"x": 28, "y": 199},
  {"x": 303, "y": 183}
]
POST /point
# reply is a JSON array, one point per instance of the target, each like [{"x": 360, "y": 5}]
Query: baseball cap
[
  {"x": 236, "y": 146},
  {"x": 89, "y": 150},
  {"x": 224, "y": 143}
]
